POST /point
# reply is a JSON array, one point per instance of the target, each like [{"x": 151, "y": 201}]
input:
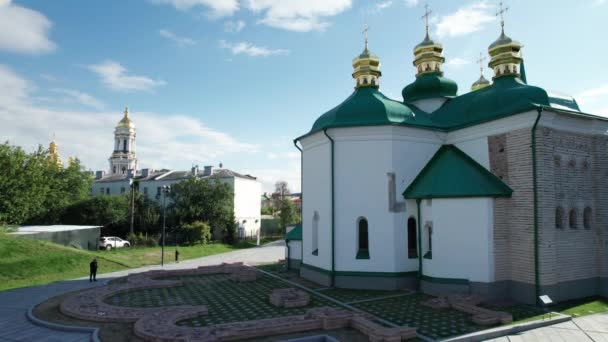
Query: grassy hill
[{"x": 27, "y": 262}]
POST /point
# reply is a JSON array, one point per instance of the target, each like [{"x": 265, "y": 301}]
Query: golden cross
[
  {"x": 426, "y": 15},
  {"x": 480, "y": 62},
  {"x": 365, "y": 31},
  {"x": 500, "y": 13}
]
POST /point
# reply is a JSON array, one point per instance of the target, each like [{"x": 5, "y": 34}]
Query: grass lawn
[
  {"x": 27, "y": 262},
  {"x": 582, "y": 307}
]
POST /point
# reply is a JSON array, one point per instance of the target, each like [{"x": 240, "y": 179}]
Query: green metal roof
[
  {"x": 295, "y": 233},
  {"x": 452, "y": 173},
  {"x": 508, "y": 95},
  {"x": 367, "y": 106},
  {"x": 428, "y": 86}
]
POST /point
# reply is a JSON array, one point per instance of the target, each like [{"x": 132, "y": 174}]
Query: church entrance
[{"x": 412, "y": 243}]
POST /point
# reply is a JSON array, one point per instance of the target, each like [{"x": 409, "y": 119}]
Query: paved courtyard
[{"x": 250, "y": 302}]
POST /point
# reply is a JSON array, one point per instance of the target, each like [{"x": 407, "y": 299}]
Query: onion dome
[
  {"x": 366, "y": 68},
  {"x": 126, "y": 121},
  {"x": 505, "y": 55},
  {"x": 54, "y": 153},
  {"x": 367, "y": 106},
  {"x": 429, "y": 83},
  {"x": 481, "y": 82}
]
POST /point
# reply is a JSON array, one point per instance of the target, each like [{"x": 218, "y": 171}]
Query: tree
[
  {"x": 197, "y": 199},
  {"x": 111, "y": 212},
  {"x": 281, "y": 189},
  {"x": 34, "y": 189},
  {"x": 287, "y": 214}
]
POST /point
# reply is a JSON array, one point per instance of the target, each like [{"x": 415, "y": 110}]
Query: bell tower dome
[
  {"x": 505, "y": 53},
  {"x": 123, "y": 159}
]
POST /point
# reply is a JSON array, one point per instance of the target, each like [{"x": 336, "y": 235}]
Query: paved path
[
  {"x": 592, "y": 328},
  {"x": 14, "y": 304}
]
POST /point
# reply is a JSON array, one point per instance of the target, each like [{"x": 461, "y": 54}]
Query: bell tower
[{"x": 123, "y": 158}]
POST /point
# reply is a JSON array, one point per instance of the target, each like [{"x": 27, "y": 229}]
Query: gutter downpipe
[
  {"x": 535, "y": 190},
  {"x": 419, "y": 244},
  {"x": 333, "y": 220},
  {"x": 295, "y": 143}
]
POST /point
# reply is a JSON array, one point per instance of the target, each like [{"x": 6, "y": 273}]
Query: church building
[{"x": 501, "y": 191}]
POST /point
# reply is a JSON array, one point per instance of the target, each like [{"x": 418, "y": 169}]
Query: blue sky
[{"x": 234, "y": 81}]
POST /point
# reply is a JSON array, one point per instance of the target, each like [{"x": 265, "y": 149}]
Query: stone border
[
  {"x": 61, "y": 327},
  {"x": 161, "y": 326},
  {"x": 468, "y": 304}
]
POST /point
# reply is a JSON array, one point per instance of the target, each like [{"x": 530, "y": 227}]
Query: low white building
[{"x": 247, "y": 189}]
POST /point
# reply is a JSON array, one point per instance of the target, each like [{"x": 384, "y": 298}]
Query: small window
[
  {"x": 146, "y": 191},
  {"x": 363, "y": 239},
  {"x": 559, "y": 217},
  {"x": 107, "y": 191},
  {"x": 315, "y": 233},
  {"x": 557, "y": 160},
  {"x": 429, "y": 230},
  {"x": 412, "y": 239},
  {"x": 124, "y": 145},
  {"x": 587, "y": 218},
  {"x": 122, "y": 190},
  {"x": 101, "y": 190},
  {"x": 572, "y": 219}
]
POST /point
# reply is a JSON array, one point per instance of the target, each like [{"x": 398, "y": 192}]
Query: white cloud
[
  {"x": 465, "y": 20},
  {"x": 215, "y": 8},
  {"x": 594, "y": 100},
  {"x": 48, "y": 77},
  {"x": 70, "y": 96},
  {"x": 115, "y": 76},
  {"x": 168, "y": 140},
  {"x": 411, "y": 3},
  {"x": 599, "y": 2},
  {"x": 456, "y": 62},
  {"x": 179, "y": 41},
  {"x": 23, "y": 30},
  {"x": 250, "y": 49},
  {"x": 234, "y": 26},
  {"x": 383, "y": 4},
  {"x": 298, "y": 15}
]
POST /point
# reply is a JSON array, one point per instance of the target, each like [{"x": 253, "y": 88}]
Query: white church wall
[
  {"x": 462, "y": 235},
  {"x": 363, "y": 157},
  {"x": 316, "y": 183},
  {"x": 115, "y": 187},
  {"x": 247, "y": 204},
  {"x": 477, "y": 149},
  {"x": 295, "y": 250}
]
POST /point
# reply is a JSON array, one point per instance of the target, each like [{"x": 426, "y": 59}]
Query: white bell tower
[{"x": 123, "y": 158}]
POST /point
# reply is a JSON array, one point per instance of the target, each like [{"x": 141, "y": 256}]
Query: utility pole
[
  {"x": 132, "y": 185},
  {"x": 165, "y": 190}
]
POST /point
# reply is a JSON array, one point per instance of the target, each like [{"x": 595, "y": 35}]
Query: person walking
[
  {"x": 176, "y": 254},
  {"x": 93, "y": 270}
]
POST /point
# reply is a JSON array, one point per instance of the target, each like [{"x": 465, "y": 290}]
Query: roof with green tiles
[
  {"x": 295, "y": 233},
  {"x": 367, "y": 106},
  {"x": 506, "y": 96},
  {"x": 452, "y": 173},
  {"x": 427, "y": 86}
]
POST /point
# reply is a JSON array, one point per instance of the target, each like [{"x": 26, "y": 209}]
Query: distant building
[{"x": 123, "y": 167}]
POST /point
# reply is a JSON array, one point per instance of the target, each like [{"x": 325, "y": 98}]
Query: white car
[{"x": 109, "y": 242}]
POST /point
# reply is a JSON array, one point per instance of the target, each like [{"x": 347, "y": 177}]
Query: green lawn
[
  {"x": 582, "y": 307},
  {"x": 27, "y": 262}
]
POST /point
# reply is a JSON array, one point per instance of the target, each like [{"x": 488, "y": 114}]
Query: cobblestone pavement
[
  {"x": 592, "y": 328},
  {"x": 14, "y": 304}
]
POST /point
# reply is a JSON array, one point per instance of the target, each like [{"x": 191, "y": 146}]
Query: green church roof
[
  {"x": 295, "y": 233},
  {"x": 367, "y": 106},
  {"x": 452, "y": 173},
  {"x": 428, "y": 86},
  {"x": 508, "y": 95}
]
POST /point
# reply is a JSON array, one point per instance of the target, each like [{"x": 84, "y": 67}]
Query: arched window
[
  {"x": 429, "y": 230},
  {"x": 559, "y": 217},
  {"x": 412, "y": 239},
  {"x": 363, "y": 239},
  {"x": 587, "y": 218},
  {"x": 315, "y": 233},
  {"x": 572, "y": 218},
  {"x": 124, "y": 145}
]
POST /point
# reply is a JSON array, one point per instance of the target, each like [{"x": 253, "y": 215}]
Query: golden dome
[{"x": 126, "y": 121}]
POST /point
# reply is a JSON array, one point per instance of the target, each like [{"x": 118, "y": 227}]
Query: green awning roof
[
  {"x": 295, "y": 233},
  {"x": 452, "y": 173}
]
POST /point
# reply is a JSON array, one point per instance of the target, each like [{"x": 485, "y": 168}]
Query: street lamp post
[
  {"x": 132, "y": 186},
  {"x": 166, "y": 189}
]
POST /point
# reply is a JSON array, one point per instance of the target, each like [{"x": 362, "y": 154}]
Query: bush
[
  {"x": 195, "y": 232},
  {"x": 142, "y": 240}
]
